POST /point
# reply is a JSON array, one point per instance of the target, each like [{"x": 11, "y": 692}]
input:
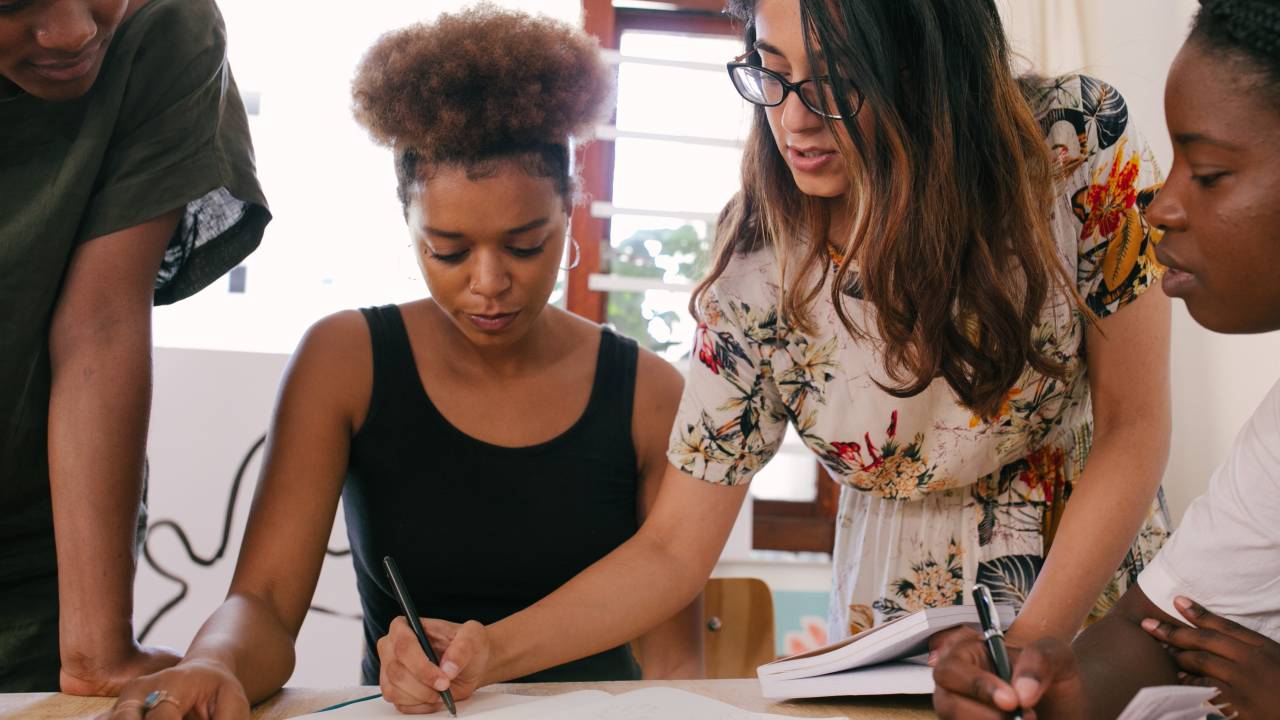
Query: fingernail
[
  {"x": 1026, "y": 688},
  {"x": 933, "y": 658},
  {"x": 1182, "y": 675},
  {"x": 450, "y": 668},
  {"x": 1005, "y": 696},
  {"x": 1182, "y": 603},
  {"x": 442, "y": 684},
  {"x": 1150, "y": 624}
]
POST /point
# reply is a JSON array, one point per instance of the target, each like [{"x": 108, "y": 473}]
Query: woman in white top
[
  {"x": 1212, "y": 595},
  {"x": 939, "y": 276}
]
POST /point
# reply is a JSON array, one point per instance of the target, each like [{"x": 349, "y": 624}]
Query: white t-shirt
[{"x": 1226, "y": 554}]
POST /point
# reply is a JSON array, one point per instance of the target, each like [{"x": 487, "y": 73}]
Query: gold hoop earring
[{"x": 575, "y": 252}]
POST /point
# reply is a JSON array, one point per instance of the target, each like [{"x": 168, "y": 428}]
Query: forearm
[
  {"x": 248, "y": 639},
  {"x": 1117, "y": 658},
  {"x": 631, "y": 590},
  {"x": 1108, "y": 506},
  {"x": 673, "y": 650},
  {"x": 98, "y": 410}
]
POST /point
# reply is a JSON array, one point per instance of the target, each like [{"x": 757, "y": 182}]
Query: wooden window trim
[
  {"x": 777, "y": 525},
  {"x": 596, "y": 167},
  {"x": 798, "y": 526}
]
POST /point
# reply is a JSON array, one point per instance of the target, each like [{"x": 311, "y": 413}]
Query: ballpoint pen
[
  {"x": 993, "y": 636},
  {"x": 411, "y": 614}
]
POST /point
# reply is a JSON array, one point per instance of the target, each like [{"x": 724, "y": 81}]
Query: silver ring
[{"x": 155, "y": 698}]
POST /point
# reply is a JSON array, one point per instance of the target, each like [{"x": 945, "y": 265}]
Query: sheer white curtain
[{"x": 1047, "y": 33}]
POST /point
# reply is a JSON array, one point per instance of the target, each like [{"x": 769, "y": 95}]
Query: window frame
[{"x": 806, "y": 526}]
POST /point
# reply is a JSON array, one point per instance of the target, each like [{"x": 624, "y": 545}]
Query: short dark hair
[
  {"x": 1249, "y": 30},
  {"x": 482, "y": 86}
]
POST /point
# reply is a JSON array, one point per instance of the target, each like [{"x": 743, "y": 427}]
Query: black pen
[
  {"x": 411, "y": 614},
  {"x": 993, "y": 635}
]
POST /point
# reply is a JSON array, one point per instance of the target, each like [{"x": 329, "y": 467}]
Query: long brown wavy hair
[{"x": 951, "y": 201}]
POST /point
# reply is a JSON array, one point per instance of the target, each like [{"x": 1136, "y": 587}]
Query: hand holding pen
[
  {"x": 401, "y": 592},
  {"x": 993, "y": 636},
  {"x": 970, "y": 682}
]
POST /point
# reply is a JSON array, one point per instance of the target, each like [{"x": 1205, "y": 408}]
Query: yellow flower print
[
  {"x": 860, "y": 618},
  {"x": 1002, "y": 413}
]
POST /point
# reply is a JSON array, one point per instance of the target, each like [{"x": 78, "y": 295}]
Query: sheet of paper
[
  {"x": 1169, "y": 702},
  {"x": 481, "y": 704},
  {"x": 657, "y": 703},
  {"x": 548, "y": 706}
]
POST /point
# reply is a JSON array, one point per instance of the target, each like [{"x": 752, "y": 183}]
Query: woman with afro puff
[{"x": 492, "y": 443}]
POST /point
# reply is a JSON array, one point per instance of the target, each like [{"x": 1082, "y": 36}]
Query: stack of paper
[
  {"x": 657, "y": 703},
  {"x": 884, "y": 660},
  {"x": 1170, "y": 702}
]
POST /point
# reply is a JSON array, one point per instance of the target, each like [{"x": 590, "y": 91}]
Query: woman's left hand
[
  {"x": 1217, "y": 652},
  {"x": 191, "y": 689}
]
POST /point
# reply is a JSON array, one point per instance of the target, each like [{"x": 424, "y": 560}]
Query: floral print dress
[{"x": 932, "y": 497}]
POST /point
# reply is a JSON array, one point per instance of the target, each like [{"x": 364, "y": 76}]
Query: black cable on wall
[{"x": 183, "y": 586}]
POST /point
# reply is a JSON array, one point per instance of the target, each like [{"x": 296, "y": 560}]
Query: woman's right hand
[
  {"x": 192, "y": 688},
  {"x": 413, "y": 683}
]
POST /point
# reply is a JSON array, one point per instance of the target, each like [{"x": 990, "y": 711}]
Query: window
[{"x": 657, "y": 181}]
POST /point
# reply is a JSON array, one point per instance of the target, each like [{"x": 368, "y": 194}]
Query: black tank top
[{"x": 482, "y": 531}]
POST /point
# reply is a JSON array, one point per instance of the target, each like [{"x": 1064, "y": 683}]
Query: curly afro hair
[{"x": 481, "y": 85}]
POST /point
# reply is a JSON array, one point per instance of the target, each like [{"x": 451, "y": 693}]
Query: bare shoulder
[
  {"x": 659, "y": 386},
  {"x": 340, "y": 339},
  {"x": 657, "y": 380},
  {"x": 334, "y": 364}
]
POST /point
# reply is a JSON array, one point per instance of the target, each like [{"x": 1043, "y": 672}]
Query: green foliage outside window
[{"x": 684, "y": 256}]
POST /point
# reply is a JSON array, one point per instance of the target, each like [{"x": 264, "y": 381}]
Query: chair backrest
[{"x": 738, "y": 633}]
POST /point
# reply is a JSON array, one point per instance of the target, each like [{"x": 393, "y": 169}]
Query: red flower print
[
  {"x": 706, "y": 350},
  {"x": 876, "y": 460},
  {"x": 849, "y": 451},
  {"x": 1046, "y": 470},
  {"x": 1103, "y": 206},
  {"x": 718, "y": 350},
  {"x": 893, "y": 424}
]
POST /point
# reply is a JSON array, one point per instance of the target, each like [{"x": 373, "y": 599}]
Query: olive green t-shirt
[{"x": 162, "y": 128}]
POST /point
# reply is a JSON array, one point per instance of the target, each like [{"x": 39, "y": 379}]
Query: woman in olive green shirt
[{"x": 126, "y": 178}]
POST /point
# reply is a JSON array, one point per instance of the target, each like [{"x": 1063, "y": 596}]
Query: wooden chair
[
  {"x": 738, "y": 627},
  {"x": 738, "y": 621}
]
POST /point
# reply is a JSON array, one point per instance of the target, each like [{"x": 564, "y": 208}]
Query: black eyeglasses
[{"x": 760, "y": 86}]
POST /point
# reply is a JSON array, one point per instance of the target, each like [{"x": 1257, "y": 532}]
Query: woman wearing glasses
[
  {"x": 924, "y": 274},
  {"x": 939, "y": 277}
]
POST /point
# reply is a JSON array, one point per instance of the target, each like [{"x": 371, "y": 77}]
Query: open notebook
[
  {"x": 657, "y": 703},
  {"x": 1170, "y": 702},
  {"x": 883, "y": 660}
]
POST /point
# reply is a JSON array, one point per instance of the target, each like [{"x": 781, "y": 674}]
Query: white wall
[{"x": 209, "y": 408}]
